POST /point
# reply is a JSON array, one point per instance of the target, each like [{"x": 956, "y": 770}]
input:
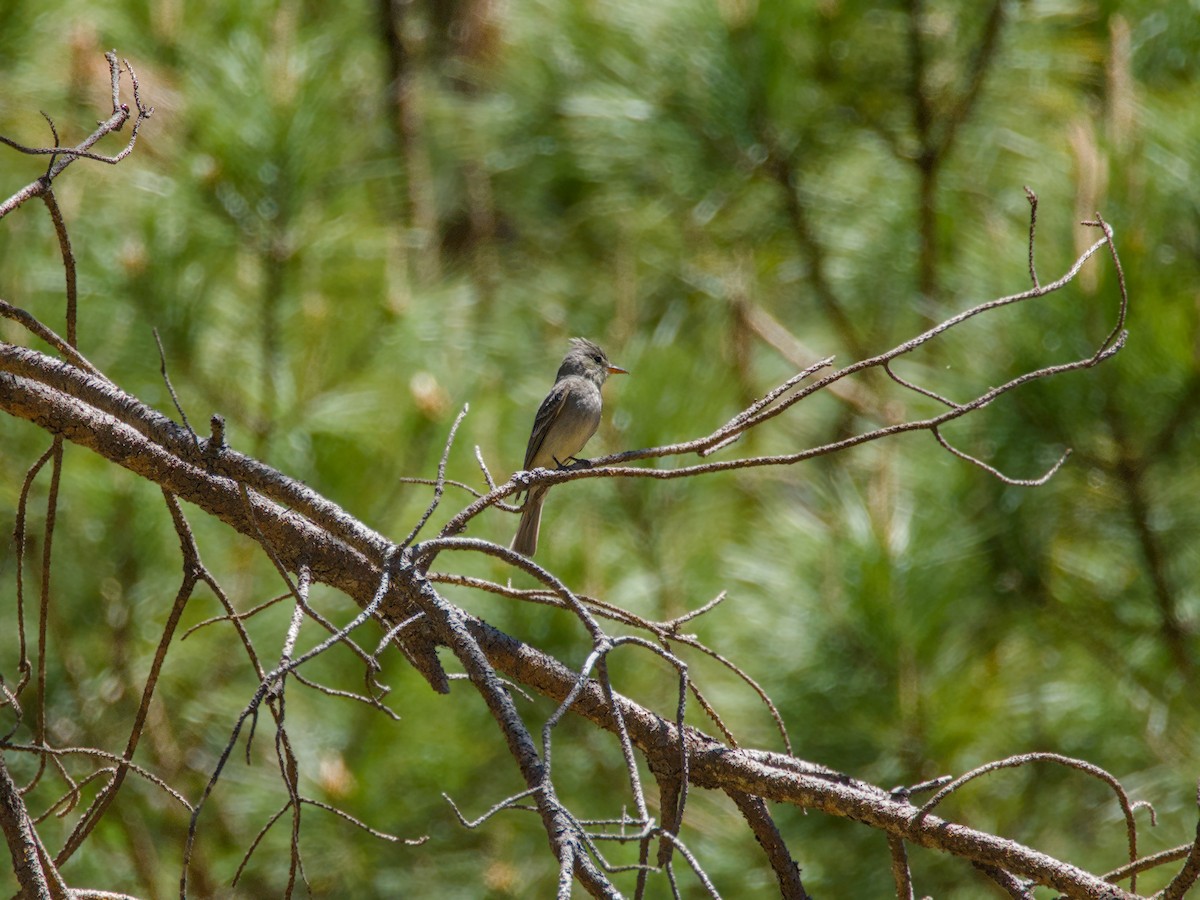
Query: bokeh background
[{"x": 346, "y": 221}]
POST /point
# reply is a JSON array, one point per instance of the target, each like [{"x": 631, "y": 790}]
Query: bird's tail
[{"x": 526, "y": 540}]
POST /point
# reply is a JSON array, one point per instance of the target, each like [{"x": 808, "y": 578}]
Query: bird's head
[{"x": 587, "y": 359}]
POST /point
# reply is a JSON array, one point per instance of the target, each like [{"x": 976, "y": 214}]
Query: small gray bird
[{"x": 565, "y": 421}]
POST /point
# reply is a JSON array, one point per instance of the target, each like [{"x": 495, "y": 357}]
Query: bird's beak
[{"x": 617, "y": 370}]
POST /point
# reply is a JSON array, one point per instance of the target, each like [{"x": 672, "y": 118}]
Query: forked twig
[
  {"x": 1127, "y": 808},
  {"x": 787, "y": 394},
  {"x": 61, "y": 157},
  {"x": 440, "y": 484}
]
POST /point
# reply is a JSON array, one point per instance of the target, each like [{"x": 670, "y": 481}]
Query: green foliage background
[{"x": 338, "y": 287}]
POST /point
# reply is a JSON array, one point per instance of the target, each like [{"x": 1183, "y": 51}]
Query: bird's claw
[{"x": 573, "y": 463}]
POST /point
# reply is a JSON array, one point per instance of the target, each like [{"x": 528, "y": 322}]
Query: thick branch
[
  {"x": 293, "y": 537},
  {"x": 715, "y": 766},
  {"x": 210, "y": 456}
]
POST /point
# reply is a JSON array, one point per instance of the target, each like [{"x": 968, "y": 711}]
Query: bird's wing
[{"x": 546, "y": 414}]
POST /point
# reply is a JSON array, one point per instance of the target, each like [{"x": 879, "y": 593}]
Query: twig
[
  {"x": 36, "y": 327},
  {"x": 1153, "y": 861},
  {"x": 162, "y": 359},
  {"x": 266, "y": 685},
  {"x": 1023, "y": 759},
  {"x": 64, "y": 156},
  {"x": 59, "y": 752},
  {"x": 506, "y": 803},
  {"x": 191, "y": 575},
  {"x": 1183, "y": 881},
  {"x": 996, "y": 473},
  {"x": 440, "y": 483},
  {"x": 1033, "y": 205},
  {"x": 450, "y": 626},
  {"x": 36, "y": 876},
  {"x": 900, "y": 871}
]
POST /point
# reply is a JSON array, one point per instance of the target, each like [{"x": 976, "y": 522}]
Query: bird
[{"x": 565, "y": 421}]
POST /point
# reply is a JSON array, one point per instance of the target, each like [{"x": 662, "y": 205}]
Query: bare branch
[
  {"x": 1026, "y": 759},
  {"x": 269, "y": 683},
  {"x": 92, "y": 752},
  {"x": 713, "y": 764},
  {"x": 506, "y": 803},
  {"x": 36, "y": 875},
  {"x": 162, "y": 359},
  {"x": 440, "y": 483},
  {"x": 758, "y": 817},
  {"x": 191, "y": 574},
  {"x": 1016, "y": 482},
  {"x": 1010, "y": 884},
  {"x": 64, "y": 156},
  {"x": 779, "y": 400},
  {"x": 36, "y": 327},
  {"x": 900, "y": 870},
  {"x": 1033, "y": 204},
  {"x": 1187, "y": 877},
  {"x": 1153, "y": 861},
  {"x": 311, "y": 540}
]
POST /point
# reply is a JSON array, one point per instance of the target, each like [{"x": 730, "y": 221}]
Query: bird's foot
[{"x": 574, "y": 462}]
